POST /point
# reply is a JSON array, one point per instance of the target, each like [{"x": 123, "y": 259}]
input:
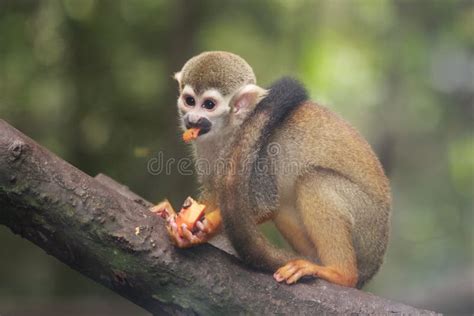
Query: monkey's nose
[{"x": 191, "y": 124}]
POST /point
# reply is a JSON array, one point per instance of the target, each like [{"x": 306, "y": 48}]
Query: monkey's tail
[{"x": 239, "y": 210}]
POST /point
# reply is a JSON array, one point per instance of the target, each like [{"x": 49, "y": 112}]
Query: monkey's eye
[
  {"x": 209, "y": 105},
  {"x": 190, "y": 101}
]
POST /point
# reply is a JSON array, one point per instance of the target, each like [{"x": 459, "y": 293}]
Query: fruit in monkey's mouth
[
  {"x": 190, "y": 213},
  {"x": 191, "y": 134}
]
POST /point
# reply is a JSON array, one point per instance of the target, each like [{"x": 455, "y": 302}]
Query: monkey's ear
[
  {"x": 246, "y": 98},
  {"x": 177, "y": 76}
]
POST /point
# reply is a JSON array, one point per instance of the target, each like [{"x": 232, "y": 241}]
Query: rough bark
[{"x": 105, "y": 232}]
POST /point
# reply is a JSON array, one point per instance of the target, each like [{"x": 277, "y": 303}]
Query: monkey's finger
[
  {"x": 170, "y": 231},
  {"x": 207, "y": 226},
  {"x": 174, "y": 226},
  {"x": 169, "y": 226},
  {"x": 200, "y": 226},
  {"x": 173, "y": 233},
  {"x": 187, "y": 234},
  {"x": 169, "y": 220},
  {"x": 200, "y": 235},
  {"x": 180, "y": 242},
  {"x": 173, "y": 230}
]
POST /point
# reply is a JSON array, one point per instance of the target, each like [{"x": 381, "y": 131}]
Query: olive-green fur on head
[{"x": 223, "y": 71}]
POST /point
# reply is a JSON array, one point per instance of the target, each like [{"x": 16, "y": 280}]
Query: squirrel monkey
[{"x": 291, "y": 161}]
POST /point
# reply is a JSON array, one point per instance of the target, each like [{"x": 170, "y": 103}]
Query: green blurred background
[{"x": 91, "y": 81}]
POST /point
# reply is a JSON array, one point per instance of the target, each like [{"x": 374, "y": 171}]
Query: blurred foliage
[{"x": 91, "y": 81}]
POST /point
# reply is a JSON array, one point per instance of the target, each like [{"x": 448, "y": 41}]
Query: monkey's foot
[
  {"x": 177, "y": 224},
  {"x": 296, "y": 269}
]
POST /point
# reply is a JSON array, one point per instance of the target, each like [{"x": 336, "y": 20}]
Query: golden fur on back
[{"x": 341, "y": 169}]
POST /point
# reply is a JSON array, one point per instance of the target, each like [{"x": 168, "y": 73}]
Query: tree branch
[{"x": 106, "y": 232}]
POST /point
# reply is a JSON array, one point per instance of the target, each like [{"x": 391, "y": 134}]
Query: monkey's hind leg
[{"x": 326, "y": 219}]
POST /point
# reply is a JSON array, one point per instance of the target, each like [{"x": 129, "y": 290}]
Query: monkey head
[{"x": 217, "y": 91}]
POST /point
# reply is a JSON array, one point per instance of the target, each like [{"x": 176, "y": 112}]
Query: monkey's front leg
[{"x": 181, "y": 236}]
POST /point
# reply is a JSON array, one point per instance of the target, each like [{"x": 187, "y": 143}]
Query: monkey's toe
[{"x": 294, "y": 270}]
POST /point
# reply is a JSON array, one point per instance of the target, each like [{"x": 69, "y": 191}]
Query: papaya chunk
[
  {"x": 189, "y": 214},
  {"x": 191, "y": 134}
]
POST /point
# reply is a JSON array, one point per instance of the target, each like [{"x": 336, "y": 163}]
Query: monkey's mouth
[
  {"x": 195, "y": 130},
  {"x": 203, "y": 124},
  {"x": 204, "y": 130}
]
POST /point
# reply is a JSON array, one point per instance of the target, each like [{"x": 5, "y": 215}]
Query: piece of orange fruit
[{"x": 191, "y": 134}]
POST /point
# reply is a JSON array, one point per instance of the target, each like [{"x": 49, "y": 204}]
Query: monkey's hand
[{"x": 180, "y": 234}]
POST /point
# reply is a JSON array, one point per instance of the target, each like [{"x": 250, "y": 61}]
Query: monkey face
[{"x": 208, "y": 111}]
